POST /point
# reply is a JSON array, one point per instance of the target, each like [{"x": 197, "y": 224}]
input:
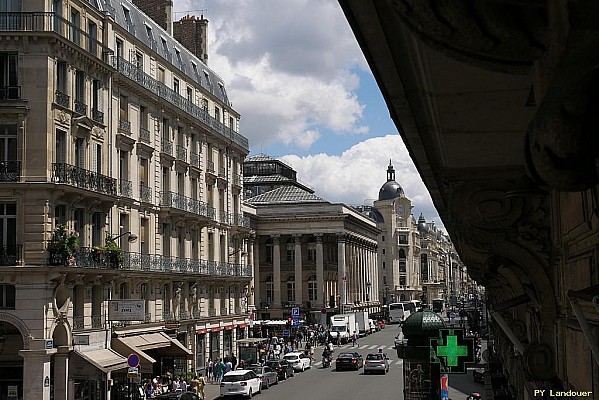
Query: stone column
[
  {"x": 36, "y": 373},
  {"x": 298, "y": 269},
  {"x": 276, "y": 270},
  {"x": 321, "y": 290},
  {"x": 61, "y": 373},
  {"x": 253, "y": 253},
  {"x": 341, "y": 272}
]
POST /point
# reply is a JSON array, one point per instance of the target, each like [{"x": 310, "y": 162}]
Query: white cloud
[
  {"x": 287, "y": 68},
  {"x": 356, "y": 176}
]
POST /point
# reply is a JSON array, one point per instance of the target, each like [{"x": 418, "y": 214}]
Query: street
[{"x": 319, "y": 383}]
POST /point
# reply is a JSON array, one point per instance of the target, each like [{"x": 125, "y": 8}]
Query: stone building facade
[{"x": 109, "y": 126}]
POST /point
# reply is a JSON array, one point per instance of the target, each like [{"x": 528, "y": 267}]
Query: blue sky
[{"x": 305, "y": 93}]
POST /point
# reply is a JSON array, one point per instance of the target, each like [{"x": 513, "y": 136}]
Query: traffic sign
[
  {"x": 295, "y": 312},
  {"x": 133, "y": 361},
  {"x": 133, "y": 372},
  {"x": 286, "y": 332},
  {"x": 452, "y": 350}
]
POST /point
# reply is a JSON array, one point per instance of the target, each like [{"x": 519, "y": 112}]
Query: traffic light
[{"x": 289, "y": 321}]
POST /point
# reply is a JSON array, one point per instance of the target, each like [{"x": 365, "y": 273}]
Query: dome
[
  {"x": 421, "y": 326},
  {"x": 391, "y": 189},
  {"x": 422, "y": 225}
]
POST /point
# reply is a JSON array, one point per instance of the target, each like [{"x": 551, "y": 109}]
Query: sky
[{"x": 295, "y": 73}]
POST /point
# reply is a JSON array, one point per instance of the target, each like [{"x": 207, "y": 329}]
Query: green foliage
[
  {"x": 112, "y": 249},
  {"x": 63, "y": 241}
]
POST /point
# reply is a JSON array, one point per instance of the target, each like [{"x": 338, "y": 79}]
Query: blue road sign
[
  {"x": 286, "y": 332},
  {"x": 295, "y": 312}
]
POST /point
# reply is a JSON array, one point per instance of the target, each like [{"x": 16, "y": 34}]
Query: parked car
[
  {"x": 298, "y": 360},
  {"x": 349, "y": 360},
  {"x": 283, "y": 368},
  {"x": 240, "y": 382},
  {"x": 267, "y": 375},
  {"x": 376, "y": 362}
]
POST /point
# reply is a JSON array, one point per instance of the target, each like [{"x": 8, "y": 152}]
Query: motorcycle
[{"x": 326, "y": 361}]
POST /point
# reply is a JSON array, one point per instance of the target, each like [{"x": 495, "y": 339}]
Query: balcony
[
  {"x": 210, "y": 166},
  {"x": 194, "y": 159},
  {"x": 222, "y": 173},
  {"x": 10, "y": 171},
  {"x": 168, "y": 316},
  {"x": 80, "y": 107},
  {"x": 240, "y": 220},
  {"x": 197, "y": 314},
  {"x": 98, "y": 116},
  {"x": 145, "y": 193},
  {"x": 148, "y": 317},
  {"x": 238, "y": 310},
  {"x": 144, "y": 135},
  {"x": 10, "y": 255},
  {"x": 54, "y": 23},
  {"x": 125, "y": 188},
  {"x": 181, "y": 153},
  {"x": 62, "y": 99},
  {"x": 166, "y": 147},
  {"x": 212, "y": 312},
  {"x": 184, "y": 315},
  {"x": 237, "y": 180},
  {"x": 10, "y": 93},
  {"x": 78, "y": 323},
  {"x": 224, "y": 311},
  {"x": 84, "y": 179},
  {"x": 97, "y": 321},
  {"x": 159, "y": 89},
  {"x": 223, "y": 217},
  {"x": 184, "y": 203},
  {"x": 125, "y": 125}
]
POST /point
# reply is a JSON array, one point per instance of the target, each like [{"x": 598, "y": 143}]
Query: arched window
[
  {"x": 291, "y": 288},
  {"x": 123, "y": 291},
  {"x": 312, "y": 288},
  {"x": 270, "y": 289}
]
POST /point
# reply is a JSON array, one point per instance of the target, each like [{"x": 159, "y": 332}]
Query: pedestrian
[
  {"x": 201, "y": 384},
  {"x": 209, "y": 372},
  {"x": 233, "y": 361},
  {"x": 354, "y": 339},
  {"x": 194, "y": 383},
  {"x": 221, "y": 370},
  {"x": 228, "y": 366},
  {"x": 338, "y": 339}
]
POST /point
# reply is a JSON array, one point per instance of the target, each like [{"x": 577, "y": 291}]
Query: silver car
[
  {"x": 376, "y": 362},
  {"x": 267, "y": 375}
]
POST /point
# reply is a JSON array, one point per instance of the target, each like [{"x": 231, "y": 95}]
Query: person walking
[
  {"x": 221, "y": 367},
  {"x": 201, "y": 384},
  {"x": 209, "y": 371},
  {"x": 354, "y": 339}
]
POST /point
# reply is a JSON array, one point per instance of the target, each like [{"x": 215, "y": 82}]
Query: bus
[{"x": 398, "y": 312}]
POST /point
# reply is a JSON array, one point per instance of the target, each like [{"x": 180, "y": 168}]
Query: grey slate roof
[
  {"x": 286, "y": 194},
  {"x": 139, "y": 21},
  {"x": 266, "y": 179},
  {"x": 260, "y": 157}
]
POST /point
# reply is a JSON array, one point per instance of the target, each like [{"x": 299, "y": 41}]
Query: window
[
  {"x": 124, "y": 227},
  {"x": 176, "y": 85},
  {"x": 97, "y": 95},
  {"x": 143, "y": 236},
  {"x": 166, "y": 184},
  {"x": 160, "y": 75},
  {"x": 190, "y": 94},
  {"x": 402, "y": 281},
  {"x": 76, "y": 27},
  {"x": 9, "y": 77},
  {"x": 312, "y": 288},
  {"x": 384, "y": 251},
  {"x": 8, "y": 227},
  {"x": 80, "y": 153},
  {"x": 143, "y": 117},
  {"x": 119, "y": 48},
  {"x": 139, "y": 60},
  {"x": 97, "y": 160},
  {"x": 217, "y": 113},
  {"x": 79, "y": 225},
  {"x": 166, "y": 240},
  {"x": 60, "y": 215},
  {"x": 269, "y": 250},
  {"x": 97, "y": 226},
  {"x": 207, "y": 79},
  {"x": 424, "y": 267},
  {"x": 291, "y": 288},
  {"x": 270, "y": 289},
  {"x": 124, "y": 291},
  {"x": 402, "y": 260},
  {"x": 61, "y": 76},
  {"x": 80, "y": 86},
  {"x": 382, "y": 238},
  {"x": 92, "y": 40},
  {"x": 7, "y": 297},
  {"x": 128, "y": 20},
  {"x": 60, "y": 155},
  {"x": 290, "y": 247},
  {"x": 124, "y": 108},
  {"x": 383, "y": 265},
  {"x": 165, "y": 128},
  {"x": 8, "y": 143},
  {"x": 311, "y": 250}
]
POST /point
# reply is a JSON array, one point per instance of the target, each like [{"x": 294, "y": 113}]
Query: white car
[
  {"x": 240, "y": 382},
  {"x": 298, "y": 360}
]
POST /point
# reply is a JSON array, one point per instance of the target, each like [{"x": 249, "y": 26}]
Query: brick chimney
[
  {"x": 161, "y": 11},
  {"x": 192, "y": 33}
]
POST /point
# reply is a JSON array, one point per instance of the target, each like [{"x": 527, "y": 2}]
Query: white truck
[
  {"x": 344, "y": 325},
  {"x": 363, "y": 323}
]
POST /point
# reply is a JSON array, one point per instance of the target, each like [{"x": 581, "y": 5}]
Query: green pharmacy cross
[{"x": 452, "y": 350}]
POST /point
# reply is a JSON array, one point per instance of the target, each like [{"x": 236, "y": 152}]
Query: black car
[
  {"x": 283, "y": 368},
  {"x": 349, "y": 360}
]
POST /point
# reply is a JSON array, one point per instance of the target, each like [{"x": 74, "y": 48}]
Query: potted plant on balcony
[
  {"x": 114, "y": 254},
  {"x": 63, "y": 245}
]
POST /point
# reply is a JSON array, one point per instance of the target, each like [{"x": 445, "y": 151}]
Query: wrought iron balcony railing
[
  {"x": 97, "y": 115},
  {"x": 62, "y": 99},
  {"x": 168, "y": 316},
  {"x": 181, "y": 153},
  {"x": 52, "y": 22},
  {"x": 212, "y": 312},
  {"x": 98, "y": 321},
  {"x": 210, "y": 166},
  {"x": 240, "y": 220},
  {"x": 78, "y": 323},
  {"x": 132, "y": 72},
  {"x": 144, "y": 135},
  {"x": 124, "y": 125},
  {"x": 125, "y": 188},
  {"x": 222, "y": 172},
  {"x": 82, "y": 178},
  {"x": 10, "y": 255},
  {"x": 224, "y": 311},
  {"x": 237, "y": 180},
  {"x": 184, "y": 315},
  {"x": 184, "y": 203},
  {"x": 237, "y": 310},
  {"x": 194, "y": 159},
  {"x": 80, "y": 107},
  {"x": 223, "y": 217},
  {"x": 197, "y": 314},
  {"x": 10, "y": 171},
  {"x": 166, "y": 146},
  {"x": 148, "y": 317},
  {"x": 145, "y": 193},
  {"x": 10, "y": 93}
]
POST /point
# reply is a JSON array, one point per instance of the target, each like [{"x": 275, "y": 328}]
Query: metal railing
[
  {"x": 78, "y": 323},
  {"x": 222, "y": 172},
  {"x": 144, "y": 135},
  {"x": 10, "y": 93},
  {"x": 10, "y": 171},
  {"x": 166, "y": 146},
  {"x": 80, "y": 107},
  {"x": 212, "y": 312},
  {"x": 97, "y": 321},
  {"x": 124, "y": 125},
  {"x": 184, "y": 203},
  {"x": 10, "y": 255},
  {"x": 148, "y": 317},
  {"x": 237, "y": 310},
  {"x": 132, "y": 72},
  {"x": 97, "y": 115},
  {"x": 197, "y": 314},
  {"x": 168, "y": 316},
  {"x": 210, "y": 166},
  {"x": 181, "y": 153},
  {"x": 62, "y": 99},
  {"x": 184, "y": 315},
  {"x": 145, "y": 193},
  {"x": 52, "y": 22},
  {"x": 79, "y": 177},
  {"x": 240, "y": 220},
  {"x": 237, "y": 180},
  {"x": 224, "y": 311},
  {"x": 125, "y": 188},
  {"x": 223, "y": 217},
  {"x": 194, "y": 159}
]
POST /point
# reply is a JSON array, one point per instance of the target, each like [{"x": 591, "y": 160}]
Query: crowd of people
[{"x": 158, "y": 386}]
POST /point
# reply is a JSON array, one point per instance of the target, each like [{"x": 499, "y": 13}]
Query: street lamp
[
  {"x": 368, "y": 285},
  {"x": 131, "y": 239}
]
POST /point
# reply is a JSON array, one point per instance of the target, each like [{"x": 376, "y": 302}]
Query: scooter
[{"x": 326, "y": 361}]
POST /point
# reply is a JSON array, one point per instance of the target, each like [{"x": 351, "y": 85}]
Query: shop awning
[
  {"x": 160, "y": 341},
  {"x": 106, "y": 360}
]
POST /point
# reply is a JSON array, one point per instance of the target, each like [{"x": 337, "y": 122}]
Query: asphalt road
[{"x": 319, "y": 383}]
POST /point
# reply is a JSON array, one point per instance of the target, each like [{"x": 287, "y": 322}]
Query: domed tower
[{"x": 391, "y": 189}]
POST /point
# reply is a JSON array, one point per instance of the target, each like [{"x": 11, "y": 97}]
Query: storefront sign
[
  {"x": 81, "y": 340},
  {"x": 49, "y": 343},
  {"x": 13, "y": 392},
  {"x": 126, "y": 310}
]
